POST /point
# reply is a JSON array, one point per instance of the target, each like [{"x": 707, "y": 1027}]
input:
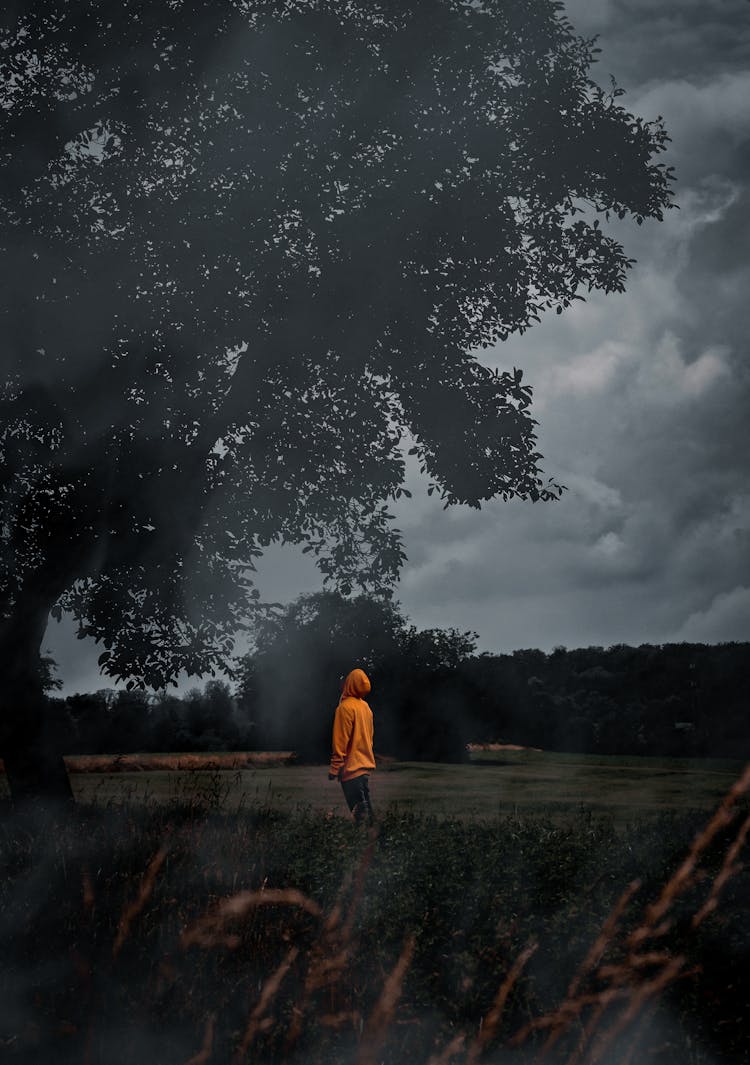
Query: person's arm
[{"x": 342, "y": 734}]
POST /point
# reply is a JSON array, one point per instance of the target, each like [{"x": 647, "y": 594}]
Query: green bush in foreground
[{"x": 175, "y": 936}]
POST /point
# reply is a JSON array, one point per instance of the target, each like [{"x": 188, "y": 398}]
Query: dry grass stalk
[
  {"x": 646, "y": 1016},
  {"x": 637, "y": 993},
  {"x": 605, "y": 937},
  {"x": 655, "y": 923},
  {"x": 338, "y": 1020},
  {"x": 206, "y": 1050},
  {"x": 359, "y": 882},
  {"x": 449, "y": 1051},
  {"x": 258, "y": 1021},
  {"x": 325, "y": 969},
  {"x": 623, "y": 973},
  {"x": 209, "y": 930},
  {"x": 572, "y": 1005},
  {"x": 333, "y": 918},
  {"x": 88, "y": 889},
  {"x": 132, "y": 910},
  {"x": 650, "y": 989},
  {"x": 491, "y": 1022},
  {"x": 605, "y": 1000},
  {"x": 330, "y": 957},
  {"x": 376, "y": 1028},
  {"x": 84, "y": 969},
  {"x": 568, "y": 1011},
  {"x": 729, "y": 867}
]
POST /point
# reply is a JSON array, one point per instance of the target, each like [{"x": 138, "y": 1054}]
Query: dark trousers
[{"x": 357, "y": 795}]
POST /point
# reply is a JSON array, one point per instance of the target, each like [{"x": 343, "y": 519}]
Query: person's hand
[{"x": 331, "y": 776}]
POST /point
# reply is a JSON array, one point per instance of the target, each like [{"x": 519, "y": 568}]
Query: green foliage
[
  {"x": 673, "y": 699},
  {"x": 475, "y": 895},
  {"x": 48, "y": 670}
]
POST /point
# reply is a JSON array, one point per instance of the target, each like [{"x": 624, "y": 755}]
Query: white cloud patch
[
  {"x": 726, "y": 618},
  {"x": 610, "y": 545},
  {"x": 717, "y": 108},
  {"x": 704, "y": 372},
  {"x": 593, "y": 491},
  {"x": 667, "y": 378},
  {"x": 589, "y": 374}
]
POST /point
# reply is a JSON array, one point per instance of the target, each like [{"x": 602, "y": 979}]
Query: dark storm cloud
[
  {"x": 642, "y": 41},
  {"x": 642, "y": 399}
]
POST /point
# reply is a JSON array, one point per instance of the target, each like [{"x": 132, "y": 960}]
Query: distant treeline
[
  {"x": 432, "y": 694},
  {"x": 681, "y": 699}
]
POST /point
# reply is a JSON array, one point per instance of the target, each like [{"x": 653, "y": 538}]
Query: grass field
[
  {"x": 494, "y": 782},
  {"x": 489, "y": 916}
]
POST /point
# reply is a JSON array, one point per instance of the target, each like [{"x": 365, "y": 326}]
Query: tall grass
[{"x": 185, "y": 935}]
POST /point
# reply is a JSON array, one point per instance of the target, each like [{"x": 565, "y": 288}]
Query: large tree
[{"x": 245, "y": 247}]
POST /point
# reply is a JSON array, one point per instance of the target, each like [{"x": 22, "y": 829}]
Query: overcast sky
[{"x": 642, "y": 399}]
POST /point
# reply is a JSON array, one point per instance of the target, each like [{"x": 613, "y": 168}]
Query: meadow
[
  {"x": 543, "y": 909},
  {"x": 494, "y": 783}
]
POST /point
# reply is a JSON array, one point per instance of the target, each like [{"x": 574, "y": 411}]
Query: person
[{"x": 352, "y": 757}]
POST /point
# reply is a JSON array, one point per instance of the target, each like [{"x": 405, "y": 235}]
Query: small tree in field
[
  {"x": 291, "y": 681},
  {"x": 244, "y": 248}
]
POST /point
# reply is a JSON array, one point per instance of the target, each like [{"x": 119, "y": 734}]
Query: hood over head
[{"x": 357, "y": 684}]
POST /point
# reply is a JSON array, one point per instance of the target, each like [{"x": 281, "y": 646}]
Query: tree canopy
[{"x": 245, "y": 249}]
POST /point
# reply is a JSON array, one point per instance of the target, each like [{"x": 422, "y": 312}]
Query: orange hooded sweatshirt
[{"x": 352, "y": 753}]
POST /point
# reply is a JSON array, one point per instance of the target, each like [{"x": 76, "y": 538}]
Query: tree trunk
[
  {"x": 34, "y": 766},
  {"x": 30, "y": 739}
]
